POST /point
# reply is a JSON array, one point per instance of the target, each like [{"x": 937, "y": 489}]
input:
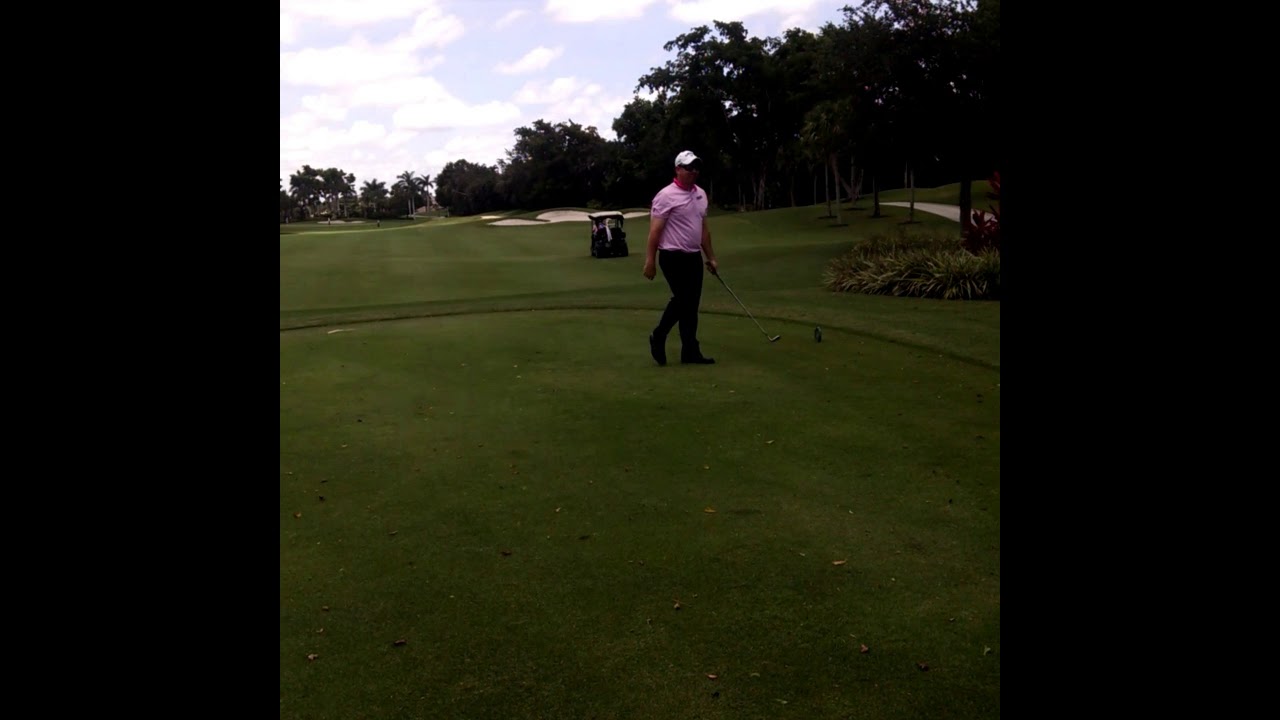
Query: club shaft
[{"x": 744, "y": 307}]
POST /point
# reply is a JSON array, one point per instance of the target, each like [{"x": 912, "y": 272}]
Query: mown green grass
[{"x": 512, "y": 487}]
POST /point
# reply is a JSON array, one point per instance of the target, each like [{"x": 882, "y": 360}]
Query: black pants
[{"x": 683, "y": 271}]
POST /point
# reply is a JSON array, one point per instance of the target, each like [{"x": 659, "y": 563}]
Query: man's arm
[
  {"x": 708, "y": 252},
  {"x": 651, "y": 252}
]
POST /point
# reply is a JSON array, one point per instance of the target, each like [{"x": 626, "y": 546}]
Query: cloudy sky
[{"x": 378, "y": 87}]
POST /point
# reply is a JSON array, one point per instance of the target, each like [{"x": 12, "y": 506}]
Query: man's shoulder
[{"x": 664, "y": 194}]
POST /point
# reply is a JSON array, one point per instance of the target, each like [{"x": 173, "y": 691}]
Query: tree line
[{"x": 900, "y": 93}]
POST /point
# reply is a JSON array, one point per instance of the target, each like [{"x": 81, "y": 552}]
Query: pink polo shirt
[{"x": 684, "y": 211}]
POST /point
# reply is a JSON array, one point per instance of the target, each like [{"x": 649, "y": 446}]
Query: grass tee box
[{"x": 493, "y": 504}]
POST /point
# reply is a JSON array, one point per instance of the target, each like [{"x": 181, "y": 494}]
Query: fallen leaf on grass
[
  {"x": 297, "y": 514},
  {"x": 320, "y": 631},
  {"x": 312, "y": 656},
  {"x": 986, "y": 651},
  {"x": 677, "y": 605},
  {"x": 712, "y": 676},
  {"x": 708, "y": 510},
  {"x": 324, "y": 608},
  {"x": 399, "y": 642},
  {"x": 768, "y": 442},
  {"x": 839, "y": 562},
  {"x": 864, "y": 650},
  {"x": 923, "y": 666},
  {"x": 505, "y": 552}
]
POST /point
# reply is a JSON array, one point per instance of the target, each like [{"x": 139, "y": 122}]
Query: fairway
[{"x": 495, "y": 505}]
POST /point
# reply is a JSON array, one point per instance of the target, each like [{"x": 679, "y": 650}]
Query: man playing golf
[{"x": 678, "y": 238}]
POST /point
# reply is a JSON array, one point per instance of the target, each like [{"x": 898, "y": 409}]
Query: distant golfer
[{"x": 678, "y": 228}]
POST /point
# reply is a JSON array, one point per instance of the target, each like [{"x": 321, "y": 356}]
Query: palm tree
[
  {"x": 424, "y": 186},
  {"x": 348, "y": 190},
  {"x": 825, "y": 133},
  {"x": 373, "y": 192},
  {"x": 409, "y": 185}
]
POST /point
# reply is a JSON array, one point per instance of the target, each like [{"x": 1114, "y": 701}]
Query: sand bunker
[{"x": 556, "y": 216}]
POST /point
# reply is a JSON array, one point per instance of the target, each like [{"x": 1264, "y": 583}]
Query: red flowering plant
[{"x": 984, "y": 233}]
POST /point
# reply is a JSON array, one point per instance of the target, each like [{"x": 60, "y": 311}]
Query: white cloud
[
  {"x": 294, "y": 127},
  {"x": 288, "y": 30},
  {"x": 394, "y": 92},
  {"x": 569, "y": 98},
  {"x": 432, "y": 28},
  {"x": 798, "y": 20},
  {"x": 509, "y": 18},
  {"x": 705, "y": 11},
  {"x": 541, "y": 93},
  {"x": 363, "y": 149},
  {"x": 349, "y": 13},
  {"x": 325, "y": 107},
  {"x": 347, "y": 65},
  {"x": 536, "y": 59},
  {"x": 590, "y": 108},
  {"x": 302, "y": 139},
  {"x": 593, "y": 10},
  {"x": 434, "y": 108},
  {"x": 479, "y": 149},
  {"x": 396, "y": 138}
]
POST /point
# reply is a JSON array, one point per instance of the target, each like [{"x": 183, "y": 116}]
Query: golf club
[{"x": 772, "y": 338}]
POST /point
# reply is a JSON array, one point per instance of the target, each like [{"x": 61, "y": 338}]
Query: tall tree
[
  {"x": 372, "y": 195},
  {"x": 407, "y": 188},
  {"x": 796, "y": 58},
  {"x": 644, "y": 151},
  {"x": 333, "y": 183},
  {"x": 468, "y": 188},
  {"x": 826, "y": 131},
  {"x": 556, "y": 165},
  {"x": 305, "y": 189},
  {"x": 723, "y": 87}
]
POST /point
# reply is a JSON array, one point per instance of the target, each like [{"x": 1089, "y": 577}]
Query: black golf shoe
[{"x": 658, "y": 349}]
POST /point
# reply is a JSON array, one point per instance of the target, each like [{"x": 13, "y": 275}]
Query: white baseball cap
[{"x": 687, "y": 157}]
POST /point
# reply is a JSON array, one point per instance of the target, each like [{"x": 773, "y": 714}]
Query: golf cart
[{"x": 607, "y": 238}]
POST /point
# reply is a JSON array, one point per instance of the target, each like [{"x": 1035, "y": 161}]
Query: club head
[{"x": 775, "y": 338}]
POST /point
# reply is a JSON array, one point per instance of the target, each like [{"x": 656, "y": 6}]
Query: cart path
[{"x": 950, "y": 212}]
